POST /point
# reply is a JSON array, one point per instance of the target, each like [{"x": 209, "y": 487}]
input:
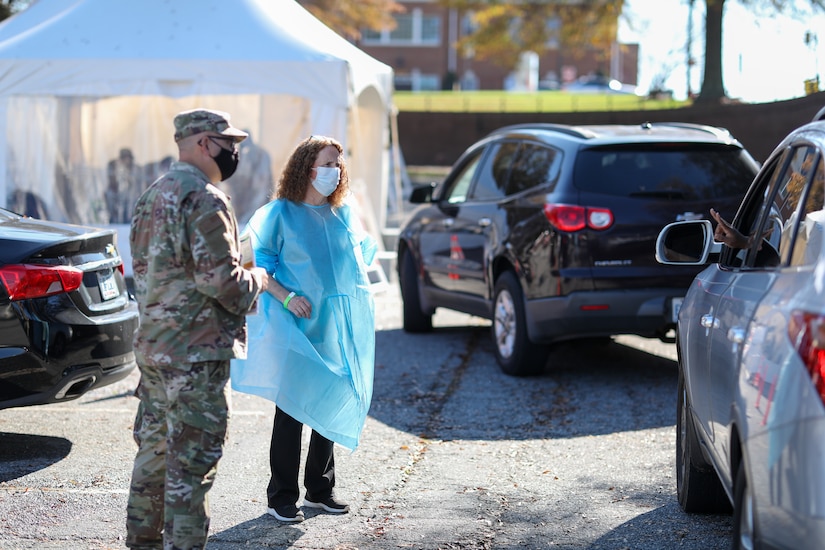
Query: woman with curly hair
[{"x": 306, "y": 352}]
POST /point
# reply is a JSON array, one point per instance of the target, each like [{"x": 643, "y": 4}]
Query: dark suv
[{"x": 549, "y": 231}]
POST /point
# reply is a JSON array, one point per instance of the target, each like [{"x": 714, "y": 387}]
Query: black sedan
[{"x": 66, "y": 317}]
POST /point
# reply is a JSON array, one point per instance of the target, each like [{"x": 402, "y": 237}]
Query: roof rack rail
[
  {"x": 714, "y": 130},
  {"x": 574, "y": 131}
]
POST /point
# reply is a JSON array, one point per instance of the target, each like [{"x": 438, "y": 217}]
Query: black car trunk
[
  {"x": 33, "y": 242},
  {"x": 645, "y": 188}
]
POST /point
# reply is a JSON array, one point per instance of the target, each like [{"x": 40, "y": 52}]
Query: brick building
[{"x": 421, "y": 50}]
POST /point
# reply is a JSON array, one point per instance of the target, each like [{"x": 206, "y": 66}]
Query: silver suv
[{"x": 751, "y": 342}]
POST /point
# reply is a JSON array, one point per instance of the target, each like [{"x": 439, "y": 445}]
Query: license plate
[
  {"x": 675, "y": 305},
  {"x": 108, "y": 285}
]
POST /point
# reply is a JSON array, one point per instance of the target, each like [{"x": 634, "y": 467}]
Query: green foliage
[
  {"x": 487, "y": 101},
  {"x": 349, "y": 17},
  {"x": 504, "y": 29},
  {"x": 10, "y": 7}
]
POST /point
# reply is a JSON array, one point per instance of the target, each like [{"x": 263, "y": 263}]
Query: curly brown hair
[{"x": 296, "y": 175}]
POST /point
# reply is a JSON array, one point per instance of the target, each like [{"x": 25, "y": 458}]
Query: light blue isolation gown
[{"x": 317, "y": 370}]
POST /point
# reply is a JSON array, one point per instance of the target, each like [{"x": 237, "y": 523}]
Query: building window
[
  {"x": 403, "y": 32},
  {"x": 430, "y": 30},
  {"x": 468, "y": 24},
  {"x": 553, "y": 27},
  {"x": 369, "y": 36},
  {"x": 416, "y": 81},
  {"x": 412, "y": 29}
]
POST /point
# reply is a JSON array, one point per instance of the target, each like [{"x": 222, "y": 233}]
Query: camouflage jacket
[{"x": 191, "y": 290}]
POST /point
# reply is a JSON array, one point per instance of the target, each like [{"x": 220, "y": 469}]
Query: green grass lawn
[
  {"x": 422, "y": 175},
  {"x": 486, "y": 101}
]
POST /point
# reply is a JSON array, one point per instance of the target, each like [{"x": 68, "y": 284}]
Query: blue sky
[{"x": 763, "y": 58}]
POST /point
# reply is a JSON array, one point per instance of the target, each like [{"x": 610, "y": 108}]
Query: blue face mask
[{"x": 326, "y": 179}]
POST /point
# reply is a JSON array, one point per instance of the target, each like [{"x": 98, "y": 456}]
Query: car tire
[
  {"x": 415, "y": 320},
  {"x": 515, "y": 353},
  {"x": 744, "y": 521},
  {"x": 697, "y": 485}
]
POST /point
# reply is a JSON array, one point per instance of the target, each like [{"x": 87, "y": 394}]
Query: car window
[
  {"x": 751, "y": 211},
  {"x": 7, "y": 215},
  {"x": 779, "y": 219},
  {"x": 807, "y": 244},
  {"x": 775, "y": 219},
  {"x": 459, "y": 186},
  {"x": 534, "y": 165},
  {"x": 493, "y": 174},
  {"x": 665, "y": 171}
]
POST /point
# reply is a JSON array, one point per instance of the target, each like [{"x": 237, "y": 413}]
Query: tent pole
[
  {"x": 396, "y": 158},
  {"x": 4, "y": 191}
]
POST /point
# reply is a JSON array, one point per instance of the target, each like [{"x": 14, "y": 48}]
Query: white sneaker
[
  {"x": 287, "y": 512},
  {"x": 329, "y": 504}
]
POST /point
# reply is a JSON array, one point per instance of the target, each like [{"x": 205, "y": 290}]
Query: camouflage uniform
[{"x": 193, "y": 295}]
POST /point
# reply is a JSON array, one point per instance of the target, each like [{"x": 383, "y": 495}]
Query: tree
[
  {"x": 713, "y": 87},
  {"x": 349, "y": 17},
  {"x": 504, "y": 29},
  {"x": 10, "y": 7}
]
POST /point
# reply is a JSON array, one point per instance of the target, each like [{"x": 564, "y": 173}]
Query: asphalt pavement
[{"x": 455, "y": 455}]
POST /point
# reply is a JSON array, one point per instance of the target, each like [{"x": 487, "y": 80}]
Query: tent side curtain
[{"x": 86, "y": 160}]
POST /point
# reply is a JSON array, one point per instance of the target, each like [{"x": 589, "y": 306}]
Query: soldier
[
  {"x": 193, "y": 295},
  {"x": 125, "y": 183},
  {"x": 252, "y": 185}
]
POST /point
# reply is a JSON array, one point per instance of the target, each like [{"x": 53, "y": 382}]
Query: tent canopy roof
[{"x": 123, "y": 47}]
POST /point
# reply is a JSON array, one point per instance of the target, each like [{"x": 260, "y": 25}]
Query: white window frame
[{"x": 418, "y": 18}]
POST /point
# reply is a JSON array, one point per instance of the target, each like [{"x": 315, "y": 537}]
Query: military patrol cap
[{"x": 195, "y": 121}]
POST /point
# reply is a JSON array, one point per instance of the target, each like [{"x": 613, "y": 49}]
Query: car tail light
[
  {"x": 807, "y": 332},
  {"x": 569, "y": 217},
  {"x": 25, "y": 281}
]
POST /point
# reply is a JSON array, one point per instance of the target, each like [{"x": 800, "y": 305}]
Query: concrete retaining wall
[{"x": 437, "y": 139}]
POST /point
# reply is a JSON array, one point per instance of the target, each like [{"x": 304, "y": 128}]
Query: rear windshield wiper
[{"x": 674, "y": 195}]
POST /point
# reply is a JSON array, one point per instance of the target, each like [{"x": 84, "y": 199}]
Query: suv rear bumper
[{"x": 644, "y": 312}]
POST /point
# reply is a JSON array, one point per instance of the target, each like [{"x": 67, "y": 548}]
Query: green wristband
[{"x": 288, "y": 298}]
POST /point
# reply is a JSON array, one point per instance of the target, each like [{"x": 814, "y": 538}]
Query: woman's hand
[
  {"x": 296, "y": 304},
  {"x": 299, "y": 306}
]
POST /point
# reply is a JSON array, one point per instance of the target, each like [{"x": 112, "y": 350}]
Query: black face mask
[{"x": 227, "y": 162}]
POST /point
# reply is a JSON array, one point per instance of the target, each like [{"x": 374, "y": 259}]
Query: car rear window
[{"x": 666, "y": 171}]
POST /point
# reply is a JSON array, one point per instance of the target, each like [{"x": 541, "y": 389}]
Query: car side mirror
[
  {"x": 686, "y": 243},
  {"x": 422, "y": 193}
]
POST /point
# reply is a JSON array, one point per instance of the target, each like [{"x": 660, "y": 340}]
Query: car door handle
[
  {"x": 484, "y": 222},
  {"x": 447, "y": 222},
  {"x": 736, "y": 335},
  {"x": 708, "y": 321}
]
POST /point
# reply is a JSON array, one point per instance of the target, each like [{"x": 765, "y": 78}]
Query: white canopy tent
[{"x": 83, "y": 80}]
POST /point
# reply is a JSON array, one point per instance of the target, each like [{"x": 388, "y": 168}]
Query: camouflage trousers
[{"x": 180, "y": 429}]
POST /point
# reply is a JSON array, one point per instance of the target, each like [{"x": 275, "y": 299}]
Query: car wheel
[
  {"x": 697, "y": 485},
  {"x": 415, "y": 320},
  {"x": 515, "y": 353},
  {"x": 744, "y": 524}
]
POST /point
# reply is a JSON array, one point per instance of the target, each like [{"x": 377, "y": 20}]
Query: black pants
[{"x": 285, "y": 460}]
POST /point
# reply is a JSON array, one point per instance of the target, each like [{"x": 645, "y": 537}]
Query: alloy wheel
[
  {"x": 746, "y": 524},
  {"x": 505, "y": 324}
]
